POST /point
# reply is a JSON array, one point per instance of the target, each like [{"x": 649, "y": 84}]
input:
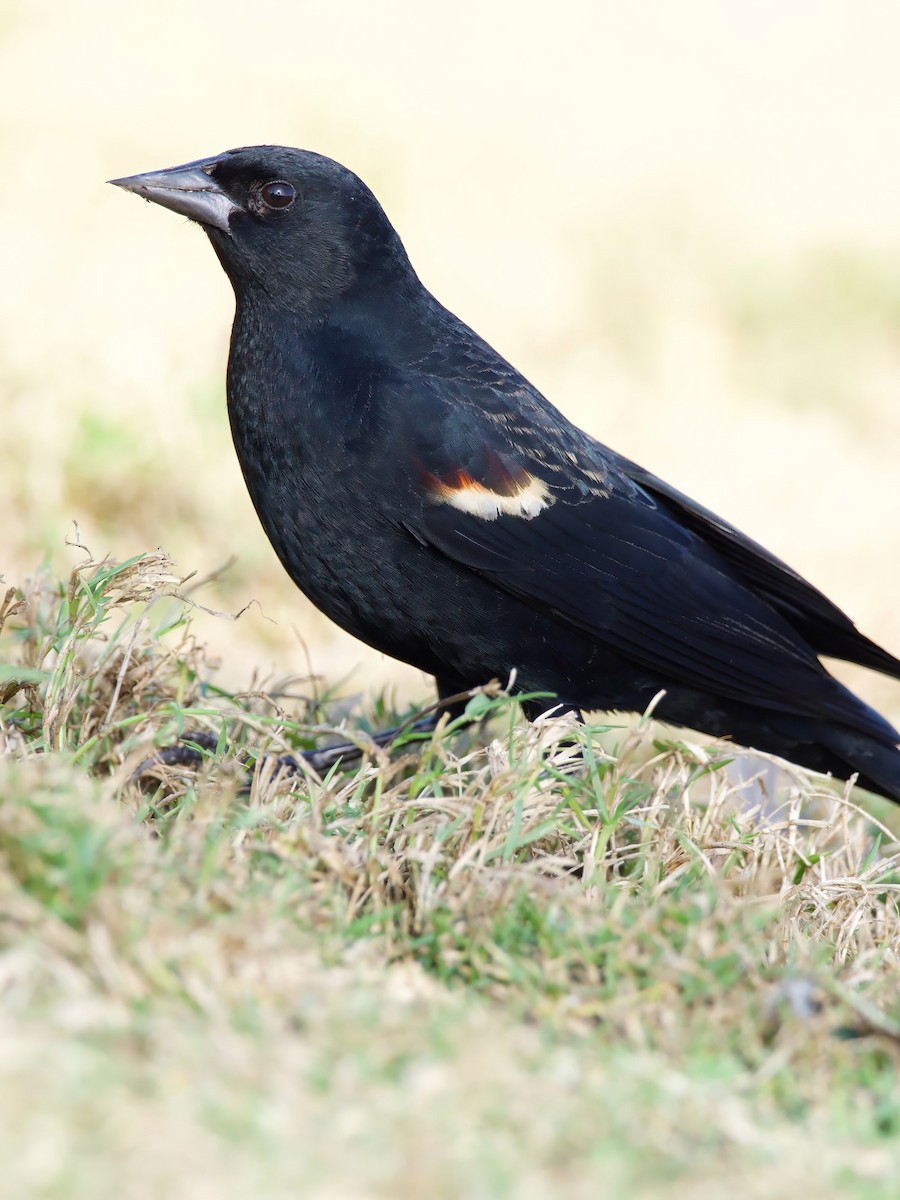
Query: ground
[{"x": 501, "y": 964}]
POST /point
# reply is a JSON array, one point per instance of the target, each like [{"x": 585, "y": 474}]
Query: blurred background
[{"x": 679, "y": 221}]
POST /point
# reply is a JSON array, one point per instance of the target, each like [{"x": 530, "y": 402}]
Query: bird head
[{"x": 284, "y": 223}]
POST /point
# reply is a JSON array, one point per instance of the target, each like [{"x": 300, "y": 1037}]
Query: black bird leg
[{"x": 190, "y": 749}]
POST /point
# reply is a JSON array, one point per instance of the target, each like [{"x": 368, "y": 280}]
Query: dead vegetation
[{"x": 583, "y": 966}]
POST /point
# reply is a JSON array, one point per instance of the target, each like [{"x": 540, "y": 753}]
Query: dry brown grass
[{"x": 489, "y": 968}]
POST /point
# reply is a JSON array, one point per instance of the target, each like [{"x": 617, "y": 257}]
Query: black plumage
[{"x": 431, "y": 502}]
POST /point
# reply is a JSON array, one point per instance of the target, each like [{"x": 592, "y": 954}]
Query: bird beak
[{"x": 189, "y": 190}]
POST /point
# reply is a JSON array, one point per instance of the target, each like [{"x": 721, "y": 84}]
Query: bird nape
[{"x": 431, "y": 502}]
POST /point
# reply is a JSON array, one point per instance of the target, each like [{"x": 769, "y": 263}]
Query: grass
[{"x": 479, "y": 965}]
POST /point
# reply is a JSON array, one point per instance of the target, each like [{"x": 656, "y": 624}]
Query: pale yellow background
[{"x": 680, "y": 220}]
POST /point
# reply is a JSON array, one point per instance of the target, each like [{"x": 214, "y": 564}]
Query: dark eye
[{"x": 278, "y": 194}]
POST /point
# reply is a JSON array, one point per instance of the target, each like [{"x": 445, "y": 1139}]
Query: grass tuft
[{"x": 486, "y": 964}]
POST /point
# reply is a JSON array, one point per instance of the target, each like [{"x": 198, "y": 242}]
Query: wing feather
[
  {"x": 828, "y": 630},
  {"x": 633, "y": 579},
  {"x": 617, "y": 553}
]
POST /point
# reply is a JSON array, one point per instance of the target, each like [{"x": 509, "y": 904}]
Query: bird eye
[{"x": 278, "y": 194}]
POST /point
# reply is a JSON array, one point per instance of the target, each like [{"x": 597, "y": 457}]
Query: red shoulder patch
[{"x": 513, "y": 491}]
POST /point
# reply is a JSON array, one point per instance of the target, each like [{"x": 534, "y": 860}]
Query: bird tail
[{"x": 876, "y": 762}]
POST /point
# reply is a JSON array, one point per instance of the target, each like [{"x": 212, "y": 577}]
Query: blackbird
[{"x": 429, "y": 500}]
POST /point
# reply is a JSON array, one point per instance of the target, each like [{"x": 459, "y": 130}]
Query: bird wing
[
  {"x": 828, "y": 630},
  {"x": 549, "y": 516}
]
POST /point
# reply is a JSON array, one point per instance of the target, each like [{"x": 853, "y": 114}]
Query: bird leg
[{"x": 189, "y": 751}]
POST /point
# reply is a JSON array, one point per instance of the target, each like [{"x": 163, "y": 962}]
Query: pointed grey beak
[{"x": 189, "y": 190}]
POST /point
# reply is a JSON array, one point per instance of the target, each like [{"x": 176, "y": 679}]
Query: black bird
[{"x": 431, "y": 502}]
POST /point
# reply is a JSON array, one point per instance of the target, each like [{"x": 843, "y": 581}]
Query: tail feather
[
  {"x": 877, "y": 763},
  {"x": 869, "y": 748}
]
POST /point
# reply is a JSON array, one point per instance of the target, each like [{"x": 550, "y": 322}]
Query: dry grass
[{"x": 487, "y": 967}]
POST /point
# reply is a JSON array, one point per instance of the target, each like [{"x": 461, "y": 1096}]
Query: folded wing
[
  {"x": 828, "y": 630},
  {"x": 600, "y": 545}
]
